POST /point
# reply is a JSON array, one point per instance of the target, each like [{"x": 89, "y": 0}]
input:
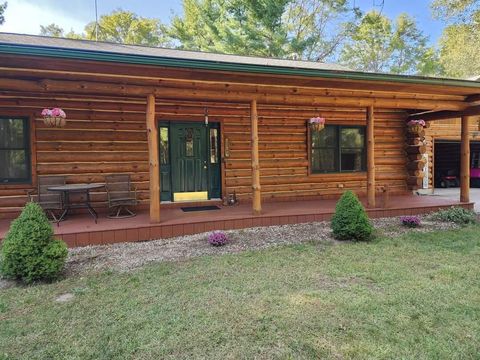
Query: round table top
[{"x": 75, "y": 187}]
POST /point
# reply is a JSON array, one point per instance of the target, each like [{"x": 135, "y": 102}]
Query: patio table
[{"x": 68, "y": 189}]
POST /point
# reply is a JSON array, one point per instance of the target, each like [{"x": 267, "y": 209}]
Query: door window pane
[
  {"x": 213, "y": 146},
  {"x": 14, "y": 150},
  {"x": 164, "y": 146},
  {"x": 189, "y": 142}
]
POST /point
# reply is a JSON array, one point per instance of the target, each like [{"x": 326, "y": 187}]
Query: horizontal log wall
[
  {"x": 284, "y": 158},
  {"x": 110, "y": 137},
  {"x": 446, "y": 130},
  {"x": 91, "y": 145}
]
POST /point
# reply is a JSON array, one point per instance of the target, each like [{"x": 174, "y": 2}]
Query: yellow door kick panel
[{"x": 190, "y": 196}]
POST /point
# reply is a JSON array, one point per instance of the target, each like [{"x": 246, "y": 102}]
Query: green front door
[
  {"x": 189, "y": 165},
  {"x": 189, "y": 161}
]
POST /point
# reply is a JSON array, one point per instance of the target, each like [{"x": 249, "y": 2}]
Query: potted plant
[
  {"x": 415, "y": 126},
  {"x": 317, "y": 123},
  {"x": 55, "y": 117}
]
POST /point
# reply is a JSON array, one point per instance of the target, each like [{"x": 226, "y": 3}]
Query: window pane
[
  {"x": 337, "y": 148},
  {"x": 352, "y": 137},
  {"x": 327, "y": 137},
  {"x": 14, "y": 165},
  {"x": 352, "y": 160},
  {"x": 213, "y": 146},
  {"x": 189, "y": 147},
  {"x": 324, "y": 160},
  {"x": 164, "y": 158},
  {"x": 189, "y": 142},
  {"x": 12, "y": 133}
]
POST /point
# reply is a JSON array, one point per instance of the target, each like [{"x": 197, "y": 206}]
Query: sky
[{"x": 26, "y": 16}]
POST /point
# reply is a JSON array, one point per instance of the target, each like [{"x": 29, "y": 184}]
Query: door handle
[{"x": 204, "y": 165}]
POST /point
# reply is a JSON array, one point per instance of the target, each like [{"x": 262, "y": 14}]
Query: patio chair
[
  {"x": 51, "y": 202},
  {"x": 122, "y": 194}
]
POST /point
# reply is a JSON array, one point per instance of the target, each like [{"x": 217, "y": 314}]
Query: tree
[
  {"x": 315, "y": 30},
  {"x": 29, "y": 251},
  {"x": 126, "y": 27},
  {"x": 350, "y": 220},
  {"x": 52, "y": 30},
  {"x": 377, "y": 45},
  {"x": 233, "y": 26},
  {"x": 460, "y": 49},
  {"x": 3, "y": 7},
  {"x": 120, "y": 26},
  {"x": 306, "y": 29},
  {"x": 460, "y": 40},
  {"x": 456, "y": 10},
  {"x": 429, "y": 64}
]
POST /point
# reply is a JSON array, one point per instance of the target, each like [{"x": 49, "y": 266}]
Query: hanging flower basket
[
  {"x": 317, "y": 123},
  {"x": 415, "y": 126},
  {"x": 55, "y": 117}
]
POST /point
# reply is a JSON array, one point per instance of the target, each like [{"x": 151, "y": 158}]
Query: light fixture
[{"x": 206, "y": 115}]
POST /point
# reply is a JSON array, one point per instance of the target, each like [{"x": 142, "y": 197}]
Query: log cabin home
[{"x": 193, "y": 128}]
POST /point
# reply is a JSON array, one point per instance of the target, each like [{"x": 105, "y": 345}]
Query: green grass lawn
[{"x": 413, "y": 297}]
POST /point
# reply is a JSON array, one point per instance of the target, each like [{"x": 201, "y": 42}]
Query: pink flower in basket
[
  {"x": 317, "y": 123},
  {"x": 57, "y": 112},
  {"x": 317, "y": 120},
  {"x": 416, "y": 122},
  {"x": 54, "y": 117}
]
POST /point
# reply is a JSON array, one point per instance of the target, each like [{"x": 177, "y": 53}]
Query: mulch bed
[{"x": 129, "y": 256}]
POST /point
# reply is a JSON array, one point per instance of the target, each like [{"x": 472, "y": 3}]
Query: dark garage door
[{"x": 447, "y": 162}]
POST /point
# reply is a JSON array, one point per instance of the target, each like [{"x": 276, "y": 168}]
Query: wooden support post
[
  {"x": 153, "y": 156},
  {"x": 465, "y": 161},
  {"x": 370, "y": 158},
  {"x": 256, "y": 190}
]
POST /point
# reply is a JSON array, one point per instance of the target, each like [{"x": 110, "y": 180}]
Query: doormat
[{"x": 200, "y": 208}]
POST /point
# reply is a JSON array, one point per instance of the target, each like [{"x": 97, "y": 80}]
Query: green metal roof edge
[{"x": 80, "y": 54}]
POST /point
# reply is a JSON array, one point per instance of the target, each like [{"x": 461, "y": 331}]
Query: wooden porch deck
[{"x": 81, "y": 230}]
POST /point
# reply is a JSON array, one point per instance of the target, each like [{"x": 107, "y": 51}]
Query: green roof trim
[{"x": 104, "y": 56}]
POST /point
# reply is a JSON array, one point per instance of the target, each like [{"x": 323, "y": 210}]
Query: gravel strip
[
  {"x": 129, "y": 256},
  {"x": 5, "y": 284}
]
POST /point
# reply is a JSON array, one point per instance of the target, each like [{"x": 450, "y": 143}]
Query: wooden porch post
[
  {"x": 370, "y": 158},
  {"x": 152, "y": 133},
  {"x": 465, "y": 161},
  {"x": 256, "y": 190}
]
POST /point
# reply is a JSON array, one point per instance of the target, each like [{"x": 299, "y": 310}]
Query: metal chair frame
[
  {"x": 121, "y": 194},
  {"x": 51, "y": 202}
]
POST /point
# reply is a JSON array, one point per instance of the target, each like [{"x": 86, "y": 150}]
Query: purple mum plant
[
  {"x": 410, "y": 221},
  {"x": 217, "y": 238}
]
